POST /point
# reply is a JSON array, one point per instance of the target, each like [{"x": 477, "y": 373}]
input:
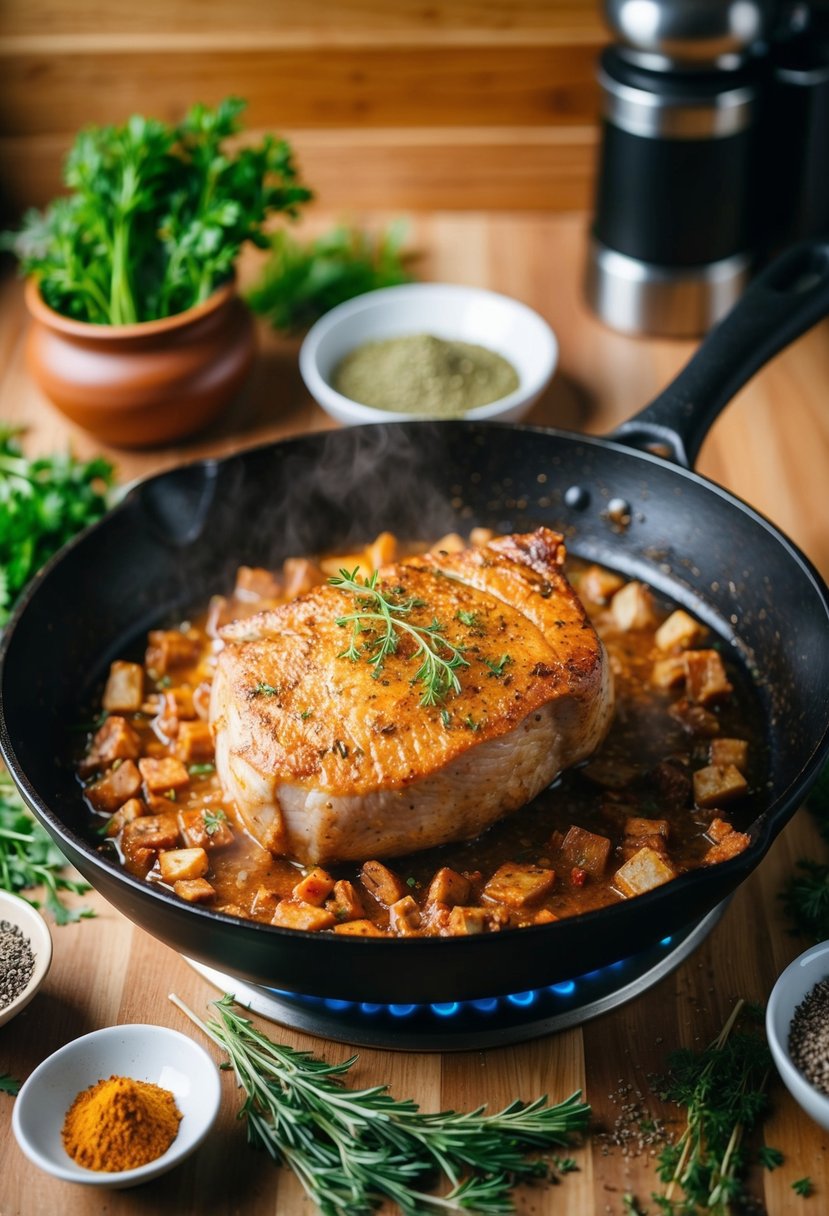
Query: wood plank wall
[{"x": 416, "y": 104}]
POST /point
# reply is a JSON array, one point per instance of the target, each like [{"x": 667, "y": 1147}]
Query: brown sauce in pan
[{"x": 680, "y": 773}]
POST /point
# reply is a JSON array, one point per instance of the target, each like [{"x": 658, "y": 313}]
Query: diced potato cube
[
  {"x": 518, "y": 884},
  {"x": 668, "y": 673},
  {"x": 253, "y": 583},
  {"x": 382, "y": 550},
  {"x": 124, "y": 689},
  {"x": 694, "y": 718},
  {"x": 205, "y": 828},
  {"x": 679, "y": 630},
  {"x": 382, "y": 883},
  {"x": 116, "y": 740},
  {"x": 152, "y": 832},
  {"x": 300, "y": 575},
  {"x": 452, "y": 542},
  {"x": 718, "y": 783},
  {"x": 139, "y": 860},
  {"x": 466, "y": 921},
  {"x": 544, "y": 917},
  {"x": 194, "y": 742},
  {"x": 632, "y": 844},
  {"x": 480, "y": 536},
  {"x": 170, "y": 648},
  {"x": 122, "y": 782},
  {"x": 729, "y": 751},
  {"x": 705, "y": 678},
  {"x": 345, "y": 903},
  {"x": 718, "y": 829},
  {"x": 730, "y": 846},
  {"x": 645, "y": 870},
  {"x": 315, "y": 887},
  {"x": 449, "y": 887},
  {"x": 404, "y": 916},
  {"x": 636, "y": 826},
  {"x": 632, "y": 607},
  {"x": 265, "y": 900},
  {"x": 600, "y": 585},
  {"x": 194, "y": 890},
  {"x": 587, "y": 850},
  {"x": 176, "y": 864},
  {"x": 131, "y": 809},
  {"x": 293, "y": 914},
  {"x": 359, "y": 928},
  {"x": 167, "y": 773}
]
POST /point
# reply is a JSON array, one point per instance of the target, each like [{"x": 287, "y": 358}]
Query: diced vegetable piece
[
  {"x": 632, "y": 607},
  {"x": 679, "y": 630},
  {"x": 705, "y": 678},
  {"x": 730, "y": 846},
  {"x": 599, "y": 585},
  {"x": 170, "y": 648},
  {"x": 293, "y": 914},
  {"x": 124, "y": 690},
  {"x": 730, "y": 751},
  {"x": 544, "y": 917},
  {"x": 204, "y": 828},
  {"x": 452, "y": 542},
  {"x": 116, "y": 740},
  {"x": 139, "y": 860},
  {"x": 718, "y": 783},
  {"x": 694, "y": 718},
  {"x": 449, "y": 887},
  {"x": 404, "y": 916},
  {"x": 177, "y": 864},
  {"x": 668, "y": 673},
  {"x": 632, "y": 844},
  {"x": 518, "y": 884},
  {"x": 122, "y": 782},
  {"x": 359, "y": 928},
  {"x": 383, "y": 549},
  {"x": 480, "y": 536},
  {"x": 194, "y": 890},
  {"x": 345, "y": 903},
  {"x": 265, "y": 900},
  {"x": 636, "y": 826},
  {"x": 587, "y": 850},
  {"x": 194, "y": 742},
  {"x": 167, "y": 773},
  {"x": 131, "y": 809},
  {"x": 300, "y": 575},
  {"x": 253, "y": 583},
  {"x": 152, "y": 832},
  {"x": 315, "y": 887},
  {"x": 382, "y": 883},
  {"x": 465, "y": 921},
  {"x": 718, "y": 829},
  {"x": 645, "y": 870}
]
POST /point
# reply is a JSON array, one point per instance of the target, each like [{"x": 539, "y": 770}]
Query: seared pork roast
[{"x": 378, "y": 717}]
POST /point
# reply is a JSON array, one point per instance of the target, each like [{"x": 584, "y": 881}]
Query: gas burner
[{"x": 469, "y": 1025}]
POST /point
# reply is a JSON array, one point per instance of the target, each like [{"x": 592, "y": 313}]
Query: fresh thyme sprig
[
  {"x": 352, "y": 1149},
  {"x": 381, "y": 616}
]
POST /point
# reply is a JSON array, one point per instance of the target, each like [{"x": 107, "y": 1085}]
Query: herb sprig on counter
[
  {"x": 301, "y": 281},
  {"x": 353, "y": 1148},
  {"x": 43, "y": 503},
  {"x": 156, "y": 216},
  {"x": 28, "y": 858},
  {"x": 805, "y": 894},
  {"x": 381, "y": 617}
]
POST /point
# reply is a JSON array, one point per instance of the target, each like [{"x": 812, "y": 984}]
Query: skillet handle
[{"x": 788, "y": 297}]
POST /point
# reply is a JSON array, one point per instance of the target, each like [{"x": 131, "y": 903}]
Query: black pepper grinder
[{"x": 676, "y": 221}]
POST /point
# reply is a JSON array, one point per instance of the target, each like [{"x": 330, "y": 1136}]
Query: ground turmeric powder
[{"x": 120, "y": 1124}]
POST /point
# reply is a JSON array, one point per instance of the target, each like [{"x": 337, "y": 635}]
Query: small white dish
[
  {"x": 18, "y": 911},
  {"x": 444, "y": 310},
  {"x": 792, "y": 987},
  {"x": 146, "y": 1053}
]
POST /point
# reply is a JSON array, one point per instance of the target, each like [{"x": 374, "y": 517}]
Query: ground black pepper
[
  {"x": 17, "y": 962},
  {"x": 809, "y": 1036}
]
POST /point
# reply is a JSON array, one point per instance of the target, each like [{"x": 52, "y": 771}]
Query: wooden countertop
[{"x": 772, "y": 449}]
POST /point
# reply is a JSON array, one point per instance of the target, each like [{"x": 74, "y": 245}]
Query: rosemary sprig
[
  {"x": 382, "y": 616},
  {"x": 354, "y": 1148}
]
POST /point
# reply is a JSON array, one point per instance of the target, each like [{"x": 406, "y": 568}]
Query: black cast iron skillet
[{"x": 179, "y": 537}]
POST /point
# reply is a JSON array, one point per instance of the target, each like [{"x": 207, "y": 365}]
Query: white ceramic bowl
[
  {"x": 792, "y": 987},
  {"x": 444, "y": 310},
  {"x": 32, "y": 925},
  {"x": 146, "y": 1053}
]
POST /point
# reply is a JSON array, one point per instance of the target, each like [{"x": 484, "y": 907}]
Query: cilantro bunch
[
  {"x": 43, "y": 504},
  {"x": 156, "y": 216}
]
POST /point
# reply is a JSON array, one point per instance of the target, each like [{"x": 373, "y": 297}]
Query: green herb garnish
[
  {"x": 353, "y": 1149},
  {"x": 306, "y": 714},
  {"x": 28, "y": 858},
  {"x": 43, "y": 504},
  {"x": 467, "y": 618},
  {"x": 381, "y": 618},
  {"x": 265, "y": 690},
  {"x": 9, "y": 1084},
  {"x": 156, "y": 216},
  {"x": 213, "y": 820},
  {"x": 770, "y": 1158},
  {"x": 201, "y": 770},
  {"x": 300, "y": 282},
  {"x": 803, "y": 1186},
  {"x": 497, "y": 669}
]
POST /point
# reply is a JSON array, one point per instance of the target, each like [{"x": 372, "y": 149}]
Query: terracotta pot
[{"x": 144, "y": 384}]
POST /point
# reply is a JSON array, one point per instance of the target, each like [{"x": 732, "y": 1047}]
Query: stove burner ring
[{"x": 471, "y": 1025}]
